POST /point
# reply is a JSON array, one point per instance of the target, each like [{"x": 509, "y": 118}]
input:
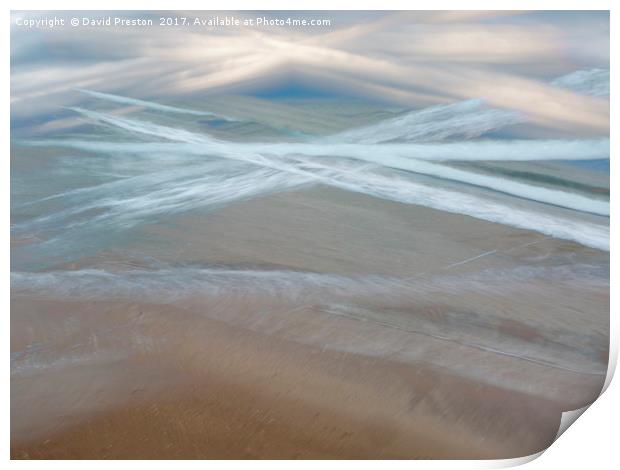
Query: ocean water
[
  {"x": 319, "y": 237},
  {"x": 127, "y": 200},
  {"x": 128, "y": 163}
]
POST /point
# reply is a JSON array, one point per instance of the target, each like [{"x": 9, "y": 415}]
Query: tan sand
[
  {"x": 189, "y": 387},
  {"x": 264, "y": 377}
]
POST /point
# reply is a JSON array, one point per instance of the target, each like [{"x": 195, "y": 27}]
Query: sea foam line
[
  {"x": 165, "y": 283},
  {"x": 149, "y": 104},
  {"x": 130, "y": 201},
  {"x": 588, "y": 234},
  {"x": 464, "y": 119},
  {"x": 351, "y": 296},
  {"x": 375, "y": 155},
  {"x": 485, "y": 150}
]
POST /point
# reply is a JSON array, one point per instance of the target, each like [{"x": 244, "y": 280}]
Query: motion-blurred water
[{"x": 79, "y": 191}]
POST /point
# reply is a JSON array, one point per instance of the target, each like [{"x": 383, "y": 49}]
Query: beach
[
  {"x": 307, "y": 235},
  {"x": 463, "y": 343}
]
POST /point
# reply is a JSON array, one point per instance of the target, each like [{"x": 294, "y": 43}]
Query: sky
[{"x": 406, "y": 59}]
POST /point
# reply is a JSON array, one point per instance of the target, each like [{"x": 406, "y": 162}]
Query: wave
[
  {"x": 465, "y": 119},
  {"x": 379, "y": 155},
  {"x": 167, "y": 283},
  {"x": 127, "y": 202},
  {"x": 142, "y": 127},
  {"x": 483, "y": 150},
  {"x": 503, "y": 185},
  {"x": 403, "y": 190},
  {"x": 256, "y": 153},
  {"x": 593, "y": 82},
  {"x": 359, "y": 167},
  {"x": 149, "y": 104},
  {"x": 487, "y": 150},
  {"x": 395, "y": 309},
  {"x": 369, "y": 180}
]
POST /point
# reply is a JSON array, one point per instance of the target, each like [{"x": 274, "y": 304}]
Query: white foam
[
  {"x": 127, "y": 202},
  {"x": 390, "y": 157},
  {"x": 407, "y": 191},
  {"x": 485, "y": 150},
  {"x": 278, "y": 302},
  {"x": 465, "y": 119},
  {"x": 400, "y": 156},
  {"x": 593, "y": 82},
  {"x": 165, "y": 283},
  {"x": 366, "y": 181},
  {"x": 148, "y": 104}
]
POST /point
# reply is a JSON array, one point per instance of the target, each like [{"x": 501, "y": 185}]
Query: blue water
[{"x": 78, "y": 191}]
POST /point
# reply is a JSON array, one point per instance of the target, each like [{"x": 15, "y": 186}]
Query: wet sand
[
  {"x": 265, "y": 377},
  {"x": 189, "y": 387}
]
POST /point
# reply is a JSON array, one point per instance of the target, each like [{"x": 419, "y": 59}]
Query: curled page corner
[{"x": 568, "y": 418}]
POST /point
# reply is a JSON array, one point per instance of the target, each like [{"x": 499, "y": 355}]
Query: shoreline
[
  {"x": 275, "y": 366},
  {"x": 224, "y": 392}
]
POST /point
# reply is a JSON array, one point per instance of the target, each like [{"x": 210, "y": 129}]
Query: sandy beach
[
  {"x": 322, "y": 235},
  {"x": 463, "y": 343},
  {"x": 222, "y": 392}
]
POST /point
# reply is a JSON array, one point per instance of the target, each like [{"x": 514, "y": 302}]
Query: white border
[{"x": 592, "y": 442}]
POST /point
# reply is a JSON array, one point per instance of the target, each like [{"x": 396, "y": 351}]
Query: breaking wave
[
  {"x": 148, "y": 104},
  {"x": 392, "y": 159},
  {"x": 319, "y": 169},
  {"x": 593, "y": 82},
  {"x": 465, "y": 119}
]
